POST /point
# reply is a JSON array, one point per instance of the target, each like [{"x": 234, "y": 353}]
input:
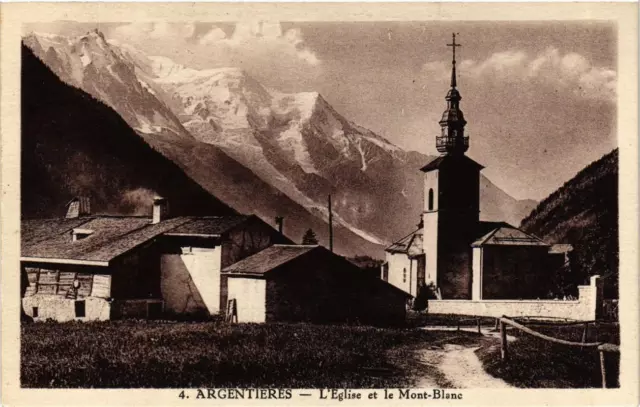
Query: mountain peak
[{"x": 95, "y": 33}]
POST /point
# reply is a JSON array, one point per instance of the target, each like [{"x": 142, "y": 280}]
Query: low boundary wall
[{"x": 587, "y": 307}]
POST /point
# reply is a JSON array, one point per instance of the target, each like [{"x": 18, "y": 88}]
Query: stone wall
[
  {"x": 586, "y": 308},
  {"x": 62, "y": 309}
]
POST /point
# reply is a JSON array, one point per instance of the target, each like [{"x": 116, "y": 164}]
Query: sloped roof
[
  {"x": 410, "y": 244},
  {"x": 560, "y": 248},
  {"x": 450, "y": 159},
  {"x": 500, "y": 233},
  {"x": 209, "y": 225},
  {"x": 112, "y": 235},
  {"x": 277, "y": 255},
  {"x": 269, "y": 258},
  {"x": 34, "y": 231}
]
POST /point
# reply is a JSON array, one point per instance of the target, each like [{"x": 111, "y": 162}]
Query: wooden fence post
[
  {"x": 497, "y": 324},
  {"x": 503, "y": 341},
  {"x": 458, "y": 327},
  {"x": 603, "y": 370},
  {"x": 478, "y": 321},
  {"x": 584, "y": 332}
]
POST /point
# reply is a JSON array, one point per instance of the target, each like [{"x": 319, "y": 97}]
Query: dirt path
[
  {"x": 452, "y": 365},
  {"x": 461, "y": 366}
]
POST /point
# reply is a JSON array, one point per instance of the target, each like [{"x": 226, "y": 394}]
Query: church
[{"x": 455, "y": 255}]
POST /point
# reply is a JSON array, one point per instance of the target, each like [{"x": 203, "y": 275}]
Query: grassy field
[
  {"x": 536, "y": 363},
  {"x": 134, "y": 354}
]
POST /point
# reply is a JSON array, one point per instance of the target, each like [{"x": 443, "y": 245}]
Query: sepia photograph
[{"x": 235, "y": 209}]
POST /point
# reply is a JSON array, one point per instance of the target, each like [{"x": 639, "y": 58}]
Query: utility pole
[{"x": 330, "y": 226}]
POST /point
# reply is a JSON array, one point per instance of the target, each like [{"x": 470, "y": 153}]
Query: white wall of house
[
  {"x": 250, "y": 295},
  {"x": 62, "y": 309},
  {"x": 191, "y": 281}
]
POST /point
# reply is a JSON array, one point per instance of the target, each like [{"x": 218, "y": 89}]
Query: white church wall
[
  {"x": 400, "y": 271},
  {"x": 476, "y": 285},
  {"x": 430, "y": 224},
  {"x": 583, "y": 309}
]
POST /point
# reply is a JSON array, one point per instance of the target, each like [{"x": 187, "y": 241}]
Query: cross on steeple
[
  {"x": 452, "y": 139},
  {"x": 453, "y": 45}
]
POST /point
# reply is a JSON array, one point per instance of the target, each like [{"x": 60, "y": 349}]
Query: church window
[{"x": 431, "y": 199}]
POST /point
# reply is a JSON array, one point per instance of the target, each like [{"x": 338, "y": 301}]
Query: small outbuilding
[{"x": 297, "y": 283}]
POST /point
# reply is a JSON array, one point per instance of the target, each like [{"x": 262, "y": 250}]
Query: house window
[
  {"x": 80, "y": 309},
  {"x": 35, "y": 312},
  {"x": 404, "y": 275},
  {"x": 431, "y": 199},
  {"x": 79, "y": 234}
]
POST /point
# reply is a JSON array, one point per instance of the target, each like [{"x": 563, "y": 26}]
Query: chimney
[
  {"x": 280, "y": 223},
  {"x": 78, "y": 206},
  {"x": 160, "y": 209}
]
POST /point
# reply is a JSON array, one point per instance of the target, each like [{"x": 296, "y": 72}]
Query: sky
[{"x": 539, "y": 98}]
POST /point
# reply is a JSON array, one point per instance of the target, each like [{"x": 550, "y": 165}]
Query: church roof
[
  {"x": 503, "y": 234},
  {"x": 560, "y": 248},
  {"x": 448, "y": 159},
  {"x": 410, "y": 244}
]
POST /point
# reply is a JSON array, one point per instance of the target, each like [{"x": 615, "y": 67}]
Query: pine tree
[{"x": 309, "y": 238}]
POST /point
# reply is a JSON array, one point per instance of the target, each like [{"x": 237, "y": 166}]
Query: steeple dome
[{"x": 452, "y": 139}]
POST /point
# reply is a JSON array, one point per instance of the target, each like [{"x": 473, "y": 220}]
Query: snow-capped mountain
[
  {"x": 299, "y": 144},
  {"x": 296, "y": 142},
  {"x": 90, "y": 63}
]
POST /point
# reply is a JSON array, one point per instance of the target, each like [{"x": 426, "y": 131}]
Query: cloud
[
  {"x": 261, "y": 38},
  {"x": 571, "y": 72},
  {"x": 264, "y": 49},
  {"x": 141, "y": 31}
]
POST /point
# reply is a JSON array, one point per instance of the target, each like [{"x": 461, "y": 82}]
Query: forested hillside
[
  {"x": 75, "y": 145},
  {"x": 584, "y": 213}
]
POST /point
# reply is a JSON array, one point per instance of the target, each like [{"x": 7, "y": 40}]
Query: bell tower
[
  {"x": 452, "y": 139},
  {"x": 451, "y": 202}
]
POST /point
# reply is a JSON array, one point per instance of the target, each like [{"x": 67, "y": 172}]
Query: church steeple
[{"x": 452, "y": 139}]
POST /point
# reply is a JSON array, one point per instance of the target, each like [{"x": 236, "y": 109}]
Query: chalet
[
  {"x": 87, "y": 267},
  {"x": 100, "y": 267},
  {"x": 455, "y": 253}
]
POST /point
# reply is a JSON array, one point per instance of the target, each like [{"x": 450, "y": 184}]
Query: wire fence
[{"x": 602, "y": 347}]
